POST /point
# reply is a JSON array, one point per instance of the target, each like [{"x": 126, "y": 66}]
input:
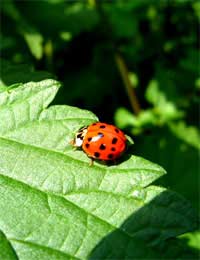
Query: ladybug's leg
[
  {"x": 115, "y": 162},
  {"x": 104, "y": 162},
  {"x": 91, "y": 161},
  {"x": 72, "y": 142}
]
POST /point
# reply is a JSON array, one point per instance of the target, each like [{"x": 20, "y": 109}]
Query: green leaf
[
  {"x": 154, "y": 95},
  {"x": 126, "y": 119},
  {"x": 193, "y": 239},
  {"x": 196, "y": 7},
  {"x": 55, "y": 206},
  {"x": 165, "y": 109},
  {"x": 34, "y": 41},
  {"x": 189, "y": 134}
]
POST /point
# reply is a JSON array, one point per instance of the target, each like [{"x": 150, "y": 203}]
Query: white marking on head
[{"x": 78, "y": 142}]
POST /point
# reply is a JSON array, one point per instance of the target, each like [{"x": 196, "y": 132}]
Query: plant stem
[
  {"x": 127, "y": 83},
  {"x": 119, "y": 61}
]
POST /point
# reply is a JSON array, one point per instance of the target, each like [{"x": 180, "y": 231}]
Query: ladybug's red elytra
[{"x": 101, "y": 141}]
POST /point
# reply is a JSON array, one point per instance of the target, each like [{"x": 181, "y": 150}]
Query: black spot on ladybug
[
  {"x": 96, "y": 154},
  {"x": 94, "y": 124},
  {"x": 110, "y": 156},
  {"x": 114, "y": 140},
  {"x": 101, "y": 134},
  {"x": 116, "y": 130},
  {"x": 87, "y": 145},
  {"x": 102, "y": 126},
  {"x": 113, "y": 149},
  {"x": 102, "y": 147},
  {"x": 89, "y": 139}
]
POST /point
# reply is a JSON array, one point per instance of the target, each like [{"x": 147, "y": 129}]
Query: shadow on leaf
[{"x": 151, "y": 232}]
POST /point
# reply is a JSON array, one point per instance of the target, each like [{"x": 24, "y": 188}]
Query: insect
[{"x": 101, "y": 141}]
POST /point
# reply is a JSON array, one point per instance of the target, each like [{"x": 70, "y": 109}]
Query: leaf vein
[{"x": 31, "y": 243}]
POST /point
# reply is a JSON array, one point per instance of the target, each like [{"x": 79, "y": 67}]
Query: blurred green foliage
[{"x": 75, "y": 42}]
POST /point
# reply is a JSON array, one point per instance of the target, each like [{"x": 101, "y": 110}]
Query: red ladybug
[{"x": 101, "y": 141}]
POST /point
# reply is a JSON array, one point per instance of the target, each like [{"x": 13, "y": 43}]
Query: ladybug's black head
[{"x": 78, "y": 140}]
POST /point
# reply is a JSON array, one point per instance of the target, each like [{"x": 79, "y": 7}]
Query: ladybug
[{"x": 101, "y": 141}]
